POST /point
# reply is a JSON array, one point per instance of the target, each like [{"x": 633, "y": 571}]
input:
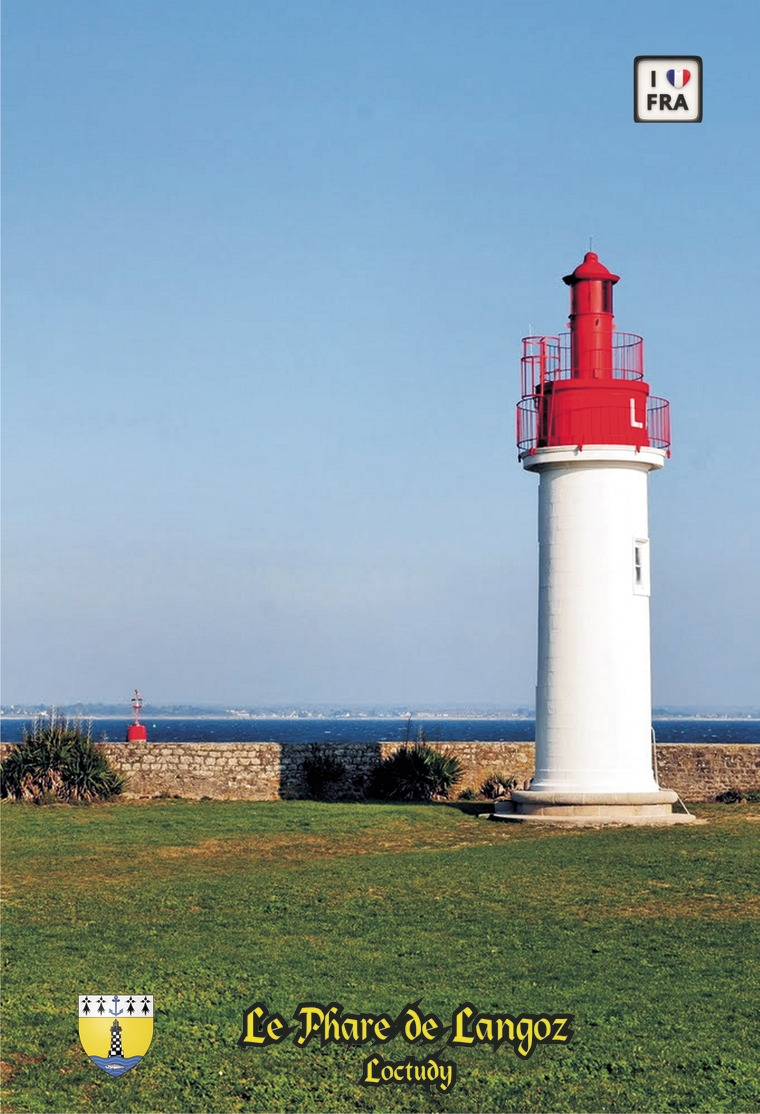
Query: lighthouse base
[{"x": 573, "y": 809}]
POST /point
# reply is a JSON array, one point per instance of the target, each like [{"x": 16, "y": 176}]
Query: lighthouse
[
  {"x": 115, "y": 1047},
  {"x": 137, "y": 732},
  {"x": 589, "y": 427}
]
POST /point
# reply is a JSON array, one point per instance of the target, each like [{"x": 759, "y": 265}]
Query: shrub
[
  {"x": 416, "y": 773},
  {"x": 322, "y": 772},
  {"x": 498, "y": 785},
  {"x": 57, "y": 760},
  {"x": 730, "y": 797}
]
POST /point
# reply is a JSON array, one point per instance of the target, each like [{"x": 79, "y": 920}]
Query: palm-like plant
[
  {"x": 498, "y": 785},
  {"x": 416, "y": 773},
  {"x": 57, "y": 760}
]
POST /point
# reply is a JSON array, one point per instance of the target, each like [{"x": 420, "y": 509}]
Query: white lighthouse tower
[{"x": 588, "y": 426}]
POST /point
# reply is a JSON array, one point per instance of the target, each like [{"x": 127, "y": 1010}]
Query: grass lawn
[{"x": 649, "y": 937}]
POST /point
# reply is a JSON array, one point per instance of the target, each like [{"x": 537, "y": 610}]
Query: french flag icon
[{"x": 678, "y": 78}]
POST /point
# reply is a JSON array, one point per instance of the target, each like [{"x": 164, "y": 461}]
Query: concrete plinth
[{"x": 573, "y": 809}]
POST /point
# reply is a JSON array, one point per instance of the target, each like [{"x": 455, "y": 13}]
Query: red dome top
[{"x": 590, "y": 268}]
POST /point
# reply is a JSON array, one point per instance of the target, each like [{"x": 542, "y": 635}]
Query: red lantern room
[{"x": 586, "y": 387}]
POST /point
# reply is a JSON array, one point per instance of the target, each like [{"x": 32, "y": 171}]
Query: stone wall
[
  {"x": 698, "y": 773},
  {"x": 231, "y": 771},
  {"x": 268, "y": 771}
]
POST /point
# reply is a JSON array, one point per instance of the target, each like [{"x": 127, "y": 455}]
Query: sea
[{"x": 360, "y": 729}]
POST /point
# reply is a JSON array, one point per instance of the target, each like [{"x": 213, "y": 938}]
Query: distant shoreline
[{"x": 306, "y": 716}]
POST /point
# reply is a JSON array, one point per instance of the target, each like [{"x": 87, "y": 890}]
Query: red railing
[
  {"x": 527, "y": 423},
  {"x": 531, "y": 409},
  {"x": 658, "y": 422},
  {"x": 546, "y": 359}
]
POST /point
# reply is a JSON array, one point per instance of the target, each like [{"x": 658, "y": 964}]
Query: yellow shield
[{"x": 116, "y": 1029}]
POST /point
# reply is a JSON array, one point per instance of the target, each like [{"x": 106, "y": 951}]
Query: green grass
[{"x": 647, "y": 936}]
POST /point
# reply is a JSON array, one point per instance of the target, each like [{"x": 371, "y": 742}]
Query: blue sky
[{"x": 266, "y": 270}]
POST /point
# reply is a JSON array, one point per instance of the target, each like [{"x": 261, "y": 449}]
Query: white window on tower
[{"x": 641, "y": 579}]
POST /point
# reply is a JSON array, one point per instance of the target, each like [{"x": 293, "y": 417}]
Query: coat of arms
[{"x": 116, "y": 1029}]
